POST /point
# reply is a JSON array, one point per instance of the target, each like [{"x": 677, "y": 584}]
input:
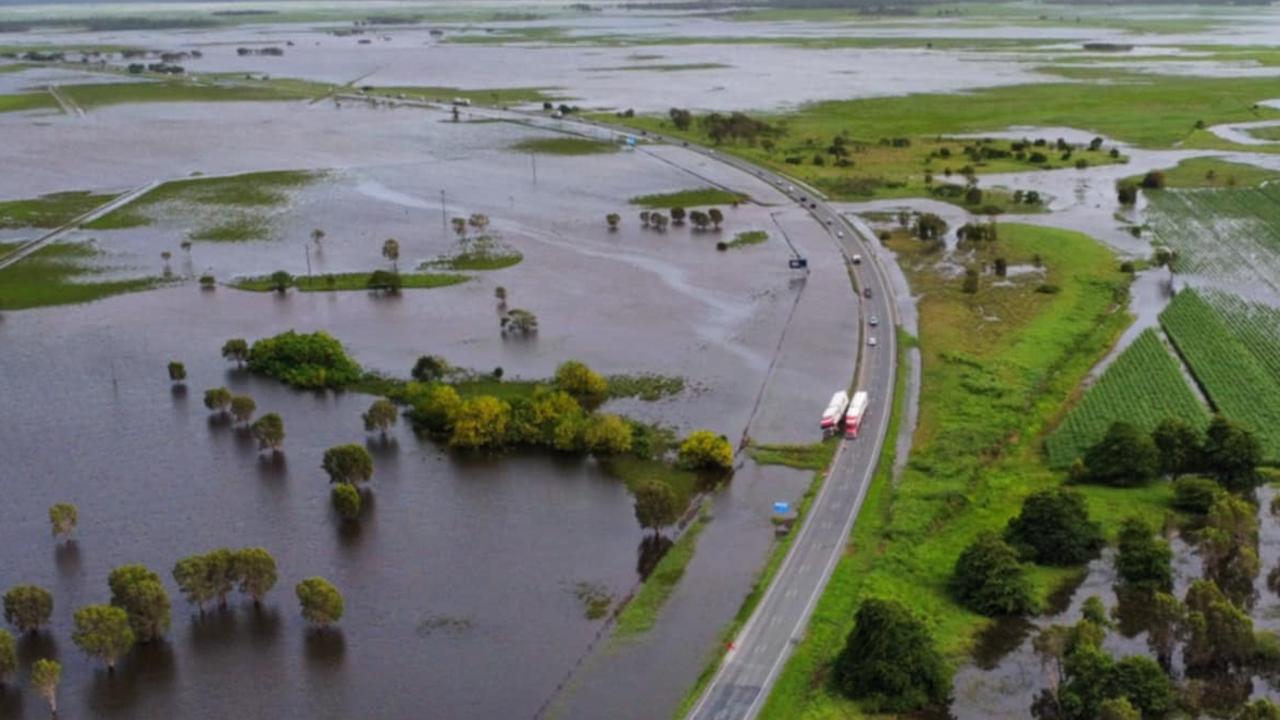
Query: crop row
[
  {"x": 1231, "y": 235},
  {"x": 1256, "y": 326},
  {"x": 1143, "y": 386},
  {"x": 1237, "y": 382}
]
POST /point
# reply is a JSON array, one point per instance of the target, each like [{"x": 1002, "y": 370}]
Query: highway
[{"x": 757, "y": 655}]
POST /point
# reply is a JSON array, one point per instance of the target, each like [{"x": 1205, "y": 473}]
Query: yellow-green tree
[
  {"x": 586, "y": 386},
  {"x": 703, "y": 449},
  {"x": 607, "y": 435},
  {"x": 481, "y": 422}
]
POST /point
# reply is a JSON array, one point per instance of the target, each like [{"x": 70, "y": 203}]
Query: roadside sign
[{"x": 782, "y": 507}]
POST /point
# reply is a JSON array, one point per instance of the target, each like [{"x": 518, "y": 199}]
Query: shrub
[
  {"x": 1125, "y": 456},
  {"x": 1195, "y": 494},
  {"x": 989, "y": 580},
  {"x": 889, "y": 661},
  {"x": 1143, "y": 561},
  {"x": 1054, "y": 528},
  {"x": 703, "y": 449},
  {"x": 309, "y": 361},
  {"x": 581, "y": 382}
]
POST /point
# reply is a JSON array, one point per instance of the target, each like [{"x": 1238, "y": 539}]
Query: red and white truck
[
  {"x": 835, "y": 412},
  {"x": 853, "y": 416}
]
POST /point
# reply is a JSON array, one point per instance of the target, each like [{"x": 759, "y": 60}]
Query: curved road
[{"x": 756, "y": 656}]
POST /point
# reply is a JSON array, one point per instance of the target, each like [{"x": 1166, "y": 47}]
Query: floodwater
[
  {"x": 1006, "y": 674},
  {"x": 463, "y": 570}
]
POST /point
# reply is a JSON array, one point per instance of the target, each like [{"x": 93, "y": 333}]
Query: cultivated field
[
  {"x": 1143, "y": 386},
  {"x": 1236, "y": 380}
]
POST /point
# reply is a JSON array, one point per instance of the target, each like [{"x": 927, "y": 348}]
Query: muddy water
[{"x": 1006, "y": 673}]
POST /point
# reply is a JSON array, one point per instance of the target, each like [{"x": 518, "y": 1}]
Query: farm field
[
  {"x": 1254, "y": 325},
  {"x": 1143, "y": 386},
  {"x": 1230, "y": 236},
  {"x": 1237, "y": 382}
]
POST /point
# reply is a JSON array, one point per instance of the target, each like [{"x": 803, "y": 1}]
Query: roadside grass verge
[
  {"x": 564, "y": 146},
  {"x": 339, "y": 282},
  {"x": 689, "y": 198},
  {"x": 49, "y": 211},
  {"x": 997, "y": 367},
  {"x": 661, "y": 67},
  {"x": 1143, "y": 386},
  {"x": 57, "y": 275},
  {"x": 641, "y": 613}
]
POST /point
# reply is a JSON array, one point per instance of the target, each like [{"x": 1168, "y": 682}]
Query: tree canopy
[
  {"x": 349, "y": 463},
  {"x": 320, "y": 601},
  {"x": 380, "y": 416},
  {"x": 269, "y": 431},
  {"x": 656, "y": 505},
  {"x": 1125, "y": 456},
  {"x": 138, "y": 591},
  {"x": 1143, "y": 562},
  {"x": 103, "y": 632},
  {"x": 308, "y": 361},
  {"x": 581, "y": 382},
  {"x": 703, "y": 449},
  {"x": 889, "y": 660},
  {"x": 27, "y": 607},
  {"x": 63, "y": 517},
  {"x": 989, "y": 580},
  {"x": 1054, "y": 528},
  {"x": 1231, "y": 454}
]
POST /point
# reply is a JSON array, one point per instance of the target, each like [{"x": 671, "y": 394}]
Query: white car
[
  {"x": 840, "y": 234},
  {"x": 871, "y": 342},
  {"x": 874, "y": 321}
]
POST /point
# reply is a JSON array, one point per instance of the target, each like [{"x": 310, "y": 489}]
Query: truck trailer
[
  {"x": 853, "y": 416},
  {"x": 835, "y": 411}
]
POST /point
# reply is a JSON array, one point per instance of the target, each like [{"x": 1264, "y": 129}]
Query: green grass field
[
  {"x": 1143, "y": 386},
  {"x": 689, "y": 198},
  {"x": 224, "y": 209},
  {"x": 564, "y": 146},
  {"x": 746, "y": 239},
  {"x": 27, "y": 101},
  {"x": 1213, "y": 173},
  {"x": 487, "y": 96},
  {"x": 1266, "y": 133},
  {"x": 351, "y": 281},
  {"x": 104, "y": 94},
  {"x": 57, "y": 275},
  {"x": 49, "y": 211},
  {"x": 990, "y": 389},
  {"x": 1237, "y": 382},
  {"x": 1256, "y": 326}
]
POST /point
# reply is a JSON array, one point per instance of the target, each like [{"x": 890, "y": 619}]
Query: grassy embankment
[
  {"x": 564, "y": 146},
  {"x": 235, "y": 208},
  {"x": 641, "y": 613},
  {"x": 998, "y": 366},
  {"x": 689, "y": 198},
  {"x": 49, "y": 211},
  {"x": 55, "y": 275},
  {"x": 1152, "y": 111},
  {"x": 661, "y": 67},
  {"x": 27, "y": 101},
  {"x": 338, "y": 282},
  {"x": 105, "y": 94},
  {"x": 485, "y": 96}
]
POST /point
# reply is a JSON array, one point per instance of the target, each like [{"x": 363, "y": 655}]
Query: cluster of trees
[
  {"x": 737, "y": 127},
  {"x": 268, "y": 430},
  {"x": 212, "y": 576},
  {"x": 304, "y": 360},
  {"x": 1126, "y": 456},
  {"x": 561, "y": 416},
  {"x": 650, "y": 219},
  {"x": 890, "y": 662}
]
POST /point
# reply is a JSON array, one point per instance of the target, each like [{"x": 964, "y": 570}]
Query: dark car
[{"x": 866, "y": 292}]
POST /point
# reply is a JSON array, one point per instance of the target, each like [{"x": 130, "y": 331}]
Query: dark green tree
[
  {"x": 1142, "y": 682},
  {"x": 63, "y": 518},
  {"x": 192, "y": 575},
  {"x": 1177, "y": 446},
  {"x": 1143, "y": 562},
  {"x": 217, "y": 399},
  {"x": 256, "y": 571},
  {"x": 269, "y": 431},
  {"x": 889, "y": 661},
  {"x": 27, "y": 607},
  {"x": 1195, "y": 494},
  {"x": 656, "y": 506},
  {"x": 138, "y": 592},
  {"x": 236, "y": 350},
  {"x": 348, "y": 464},
  {"x": 1232, "y": 454},
  {"x": 177, "y": 371},
  {"x": 1125, "y": 456},
  {"x": 1261, "y": 709},
  {"x": 382, "y": 414},
  {"x": 1054, "y": 528},
  {"x": 242, "y": 408},
  {"x": 280, "y": 281},
  {"x": 429, "y": 368},
  {"x": 989, "y": 580},
  {"x": 1219, "y": 634}
]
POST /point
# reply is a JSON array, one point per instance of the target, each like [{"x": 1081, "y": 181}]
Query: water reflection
[
  {"x": 10, "y": 701},
  {"x": 66, "y": 556},
  {"x": 326, "y": 648},
  {"x": 36, "y": 646},
  {"x": 148, "y": 670},
  {"x": 264, "y": 626},
  {"x": 179, "y": 393},
  {"x": 650, "y": 551},
  {"x": 382, "y": 446},
  {"x": 272, "y": 465},
  {"x": 219, "y": 421},
  {"x": 212, "y": 629},
  {"x": 999, "y": 639}
]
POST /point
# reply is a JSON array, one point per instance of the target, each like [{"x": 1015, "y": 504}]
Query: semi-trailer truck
[
  {"x": 835, "y": 412},
  {"x": 853, "y": 416}
]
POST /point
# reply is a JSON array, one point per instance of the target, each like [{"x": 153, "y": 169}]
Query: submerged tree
[
  {"x": 177, "y": 372},
  {"x": 380, "y": 416},
  {"x": 256, "y": 569},
  {"x": 103, "y": 632},
  {"x": 63, "y": 517},
  {"x": 27, "y": 607},
  {"x": 45, "y": 676},
  {"x": 269, "y": 431},
  {"x": 656, "y": 506},
  {"x": 138, "y": 591},
  {"x": 242, "y": 408},
  {"x": 320, "y": 601},
  {"x": 217, "y": 399},
  {"x": 1143, "y": 562},
  {"x": 349, "y": 463},
  {"x": 391, "y": 251},
  {"x": 346, "y": 500},
  {"x": 236, "y": 350}
]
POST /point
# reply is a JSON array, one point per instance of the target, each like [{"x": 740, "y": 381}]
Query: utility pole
[
  {"x": 444, "y": 221},
  {"x": 308, "y": 249}
]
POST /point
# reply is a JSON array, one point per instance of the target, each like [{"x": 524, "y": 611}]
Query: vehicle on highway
[
  {"x": 874, "y": 321},
  {"x": 840, "y": 234},
  {"x": 853, "y": 417},
  {"x": 834, "y": 413},
  {"x": 857, "y": 259},
  {"x": 866, "y": 293},
  {"x": 871, "y": 342}
]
